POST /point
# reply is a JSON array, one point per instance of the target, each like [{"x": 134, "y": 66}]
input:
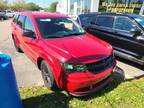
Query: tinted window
[
  {"x": 123, "y": 23},
  {"x": 20, "y": 21},
  {"x": 77, "y": 20},
  {"x": 105, "y": 21},
  {"x": 28, "y": 25},
  {"x": 140, "y": 20},
  {"x": 15, "y": 18},
  {"x": 86, "y": 19}
]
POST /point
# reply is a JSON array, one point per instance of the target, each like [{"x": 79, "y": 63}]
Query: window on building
[{"x": 80, "y": 6}]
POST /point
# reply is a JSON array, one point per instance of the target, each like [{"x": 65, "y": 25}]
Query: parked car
[
  {"x": 68, "y": 57},
  {"x": 3, "y": 16},
  {"x": 125, "y": 32},
  {"x": 10, "y": 14}
]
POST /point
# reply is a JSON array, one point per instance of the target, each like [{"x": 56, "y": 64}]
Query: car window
[
  {"x": 85, "y": 20},
  {"x": 77, "y": 20},
  {"x": 28, "y": 25},
  {"x": 140, "y": 20},
  {"x": 105, "y": 21},
  {"x": 20, "y": 21},
  {"x": 15, "y": 18},
  {"x": 123, "y": 23}
]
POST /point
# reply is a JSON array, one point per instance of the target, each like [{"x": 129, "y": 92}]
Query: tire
[
  {"x": 16, "y": 46},
  {"x": 48, "y": 77}
]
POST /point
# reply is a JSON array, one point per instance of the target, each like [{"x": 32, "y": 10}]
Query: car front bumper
[{"x": 81, "y": 86}]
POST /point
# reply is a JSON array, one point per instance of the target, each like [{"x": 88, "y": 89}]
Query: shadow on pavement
[
  {"x": 136, "y": 65},
  {"x": 61, "y": 100}
]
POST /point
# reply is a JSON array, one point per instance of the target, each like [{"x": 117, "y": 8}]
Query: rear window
[
  {"x": 105, "y": 21},
  {"x": 86, "y": 19}
]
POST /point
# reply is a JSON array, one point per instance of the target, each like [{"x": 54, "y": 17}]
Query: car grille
[{"x": 100, "y": 66}]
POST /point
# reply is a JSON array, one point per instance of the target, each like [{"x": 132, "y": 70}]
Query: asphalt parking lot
[{"x": 27, "y": 73}]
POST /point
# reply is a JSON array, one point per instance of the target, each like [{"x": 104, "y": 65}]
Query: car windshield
[
  {"x": 140, "y": 20},
  {"x": 58, "y": 27}
]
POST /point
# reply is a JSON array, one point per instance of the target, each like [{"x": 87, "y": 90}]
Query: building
[{"x": 74, "y": 7}]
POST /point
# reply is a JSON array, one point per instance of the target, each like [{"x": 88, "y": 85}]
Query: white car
[{"x": 10, "y": 14}]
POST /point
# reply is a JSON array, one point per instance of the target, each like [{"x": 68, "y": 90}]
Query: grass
[{"x": 118, "y": 94}]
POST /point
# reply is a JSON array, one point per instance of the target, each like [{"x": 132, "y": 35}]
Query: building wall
[
  {"x": 63, "y": 7},
  {"x": 74, "y": 7},
  {"x": 95, "y": 5}
]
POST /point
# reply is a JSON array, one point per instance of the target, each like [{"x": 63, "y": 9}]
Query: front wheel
[{"x": 48, "y": 77}]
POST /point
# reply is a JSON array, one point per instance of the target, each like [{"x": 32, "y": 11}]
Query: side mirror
[
  {"x": 29, "y": 33},
  {"x": 135, "y": 31}
]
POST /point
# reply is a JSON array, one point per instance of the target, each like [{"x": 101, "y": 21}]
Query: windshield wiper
[
  {"x": 61, "y": 36},
  {"x": 53, "y": 36},
  {"x": 71, "y": 34}
]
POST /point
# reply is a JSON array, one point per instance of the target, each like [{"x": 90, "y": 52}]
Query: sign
[{"x": 120, "y": 6}]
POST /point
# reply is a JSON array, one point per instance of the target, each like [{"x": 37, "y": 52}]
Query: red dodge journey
[{"x": 69, "y": 58}]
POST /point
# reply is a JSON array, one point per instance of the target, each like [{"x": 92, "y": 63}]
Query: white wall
[
  {"x": 95, "y": 5},
  {"x": 142, "y": 9},
  {"x": 64, "y": 6}
]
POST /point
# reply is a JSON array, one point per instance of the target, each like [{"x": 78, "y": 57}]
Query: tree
[
  {"x": 33, "y": 7},
  {"x": 3, "y": 5},
  {"x": 52, "y": 7},
  {"x": 19, "y": 5}
]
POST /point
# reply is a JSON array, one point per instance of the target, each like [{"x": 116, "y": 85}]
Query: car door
[
  {"x": 126, "y": 40},
  {"x": 14, "y": 24},
  {"x": 103, "y": 28},
  {"x": 30, "y": 43},
  {"x": 19, "y": 30}
]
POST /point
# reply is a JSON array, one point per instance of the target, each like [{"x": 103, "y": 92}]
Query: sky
[{"x": 42, "y": 3}]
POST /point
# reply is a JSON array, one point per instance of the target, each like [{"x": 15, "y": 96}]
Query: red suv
[{"x": 68, "y": 57}]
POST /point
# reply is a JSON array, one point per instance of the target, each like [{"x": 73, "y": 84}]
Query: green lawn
[{"x": 118, "y": 94}]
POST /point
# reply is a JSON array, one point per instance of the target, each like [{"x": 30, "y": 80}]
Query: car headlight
[{"x": 70, "y": 68}]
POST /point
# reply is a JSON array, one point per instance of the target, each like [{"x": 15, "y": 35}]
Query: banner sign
[{"x": 120, "y": 6}]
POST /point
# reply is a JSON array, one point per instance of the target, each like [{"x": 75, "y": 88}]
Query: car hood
[{"x": 79, "y": 49}]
